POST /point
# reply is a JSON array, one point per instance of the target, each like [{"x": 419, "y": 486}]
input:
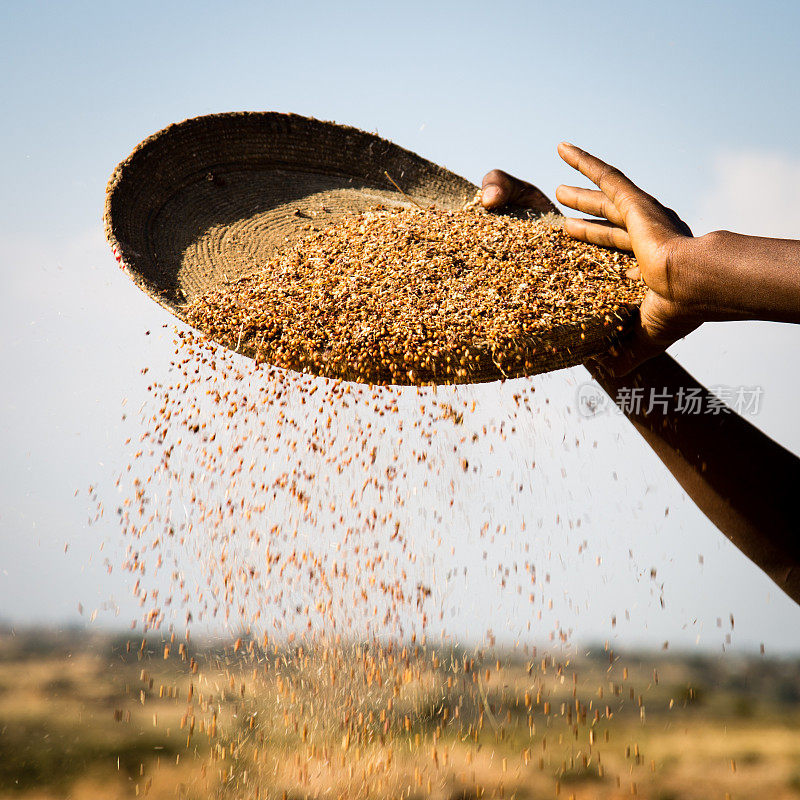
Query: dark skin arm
[{"x": 742, "y": 480}]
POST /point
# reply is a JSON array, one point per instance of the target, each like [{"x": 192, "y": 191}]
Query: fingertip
[
  {"x": 566, "y": 195},
  {"x": 634, "y": 273},
  {"x": 491, "y": 196},
  {"x": 574, "y": 227}
]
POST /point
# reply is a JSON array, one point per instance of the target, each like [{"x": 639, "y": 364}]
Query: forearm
[
  {"x": 728, "y": 276},
  {"x": 744, "y": 482}
]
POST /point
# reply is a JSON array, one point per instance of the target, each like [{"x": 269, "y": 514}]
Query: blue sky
[
  {"x": 656, "y": 87},
  {"x": 697, "y": 102}
]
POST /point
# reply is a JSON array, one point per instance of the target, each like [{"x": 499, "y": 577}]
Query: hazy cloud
[{"x": 755, "y": 192}]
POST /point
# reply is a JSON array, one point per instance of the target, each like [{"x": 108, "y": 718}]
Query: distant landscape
[{"x": 91, "y": 715}]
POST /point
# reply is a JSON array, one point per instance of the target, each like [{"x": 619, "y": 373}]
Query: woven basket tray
[{"x": 211, "y": 199}]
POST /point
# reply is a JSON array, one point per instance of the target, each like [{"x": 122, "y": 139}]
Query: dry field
[{"x": 86, "y": 716}]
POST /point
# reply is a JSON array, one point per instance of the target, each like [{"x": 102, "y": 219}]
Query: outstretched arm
[{"x": 744, "y": 482}]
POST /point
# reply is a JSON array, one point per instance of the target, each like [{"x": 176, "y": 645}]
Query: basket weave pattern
[{"x": 208, "y": 200}]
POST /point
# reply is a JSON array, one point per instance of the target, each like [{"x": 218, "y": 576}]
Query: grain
[
  {"x": 412, "y": 296},
  {"x": 342, "y": 534},
  {"x": 287, "y": 507}
]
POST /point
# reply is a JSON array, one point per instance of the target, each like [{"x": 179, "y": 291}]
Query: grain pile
[{"x": 410, "y": 296}]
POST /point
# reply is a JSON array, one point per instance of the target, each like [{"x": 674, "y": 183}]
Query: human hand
[
  {"x": 631, "y": 220},
  {"x": 501, "y": 189}
]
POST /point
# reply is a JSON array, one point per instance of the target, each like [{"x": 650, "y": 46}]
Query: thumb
[
  {"x": 499, "y": 188},
  {"x": 493, "y": 196}
]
